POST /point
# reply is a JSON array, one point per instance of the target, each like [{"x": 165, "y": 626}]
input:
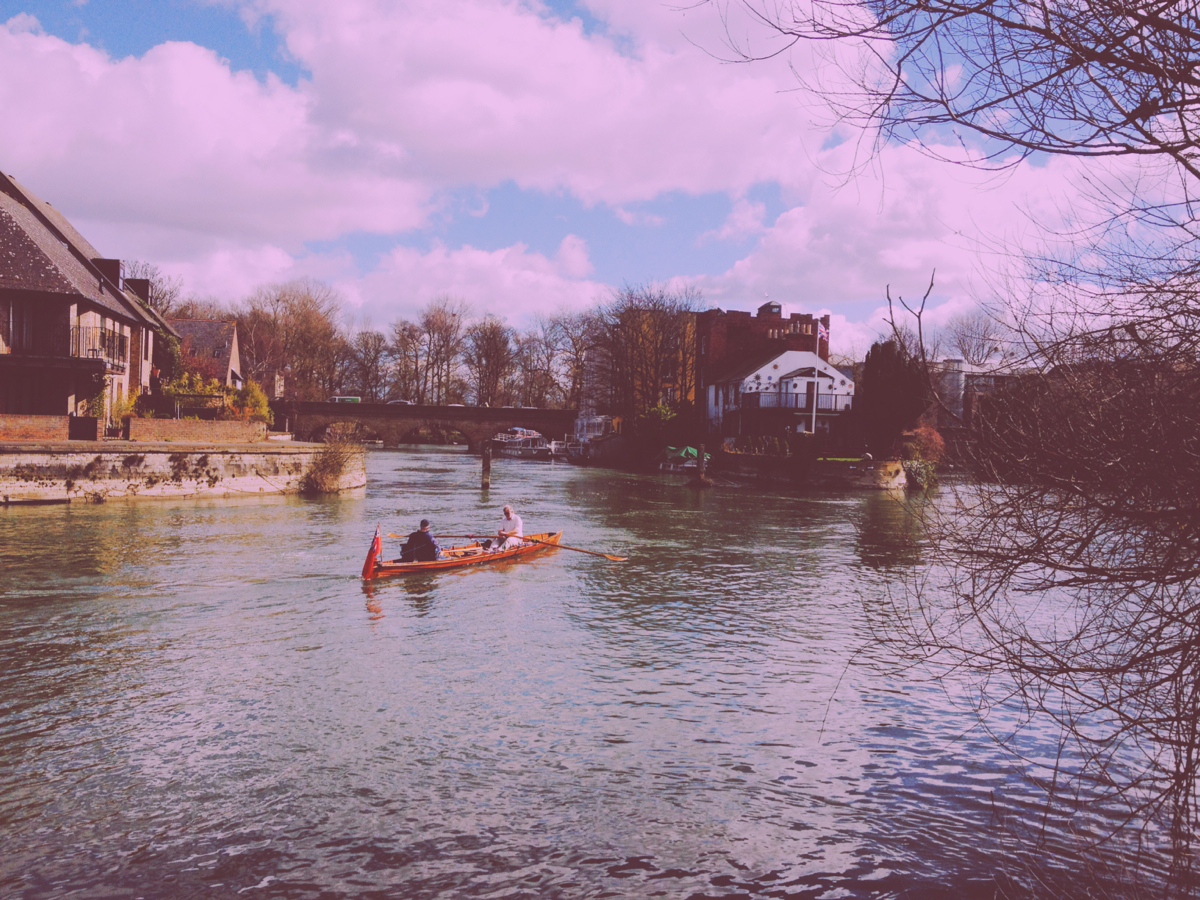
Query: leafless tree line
[{"x": 625, "y": 355}]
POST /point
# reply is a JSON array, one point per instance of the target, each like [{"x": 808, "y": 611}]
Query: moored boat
[
  {"x": 454, "y": 557},
  {"x": 526, "y": 448}
]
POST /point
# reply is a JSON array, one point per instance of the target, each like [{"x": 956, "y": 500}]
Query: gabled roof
[
  {"x": 808, "y": 372},
  {"x": 41, "y": 251},
  {"x": 741, "y": 369},
  {"x": 208, "y": 338}
]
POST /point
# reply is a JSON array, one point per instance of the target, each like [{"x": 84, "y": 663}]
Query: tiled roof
[
  {"x": 41, "y": 251},
  {"x": 740, "y": 369},
  {"x": 206, "y": 337},
  {"x": 23, "y": 265}
]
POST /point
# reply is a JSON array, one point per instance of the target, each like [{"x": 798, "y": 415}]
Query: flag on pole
[
  {"x": 373, "y": 554},
  {"x": 822, "y": 332}
]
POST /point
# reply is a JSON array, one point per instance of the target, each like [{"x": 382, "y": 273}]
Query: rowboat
[{"x": 467, "y": 555}]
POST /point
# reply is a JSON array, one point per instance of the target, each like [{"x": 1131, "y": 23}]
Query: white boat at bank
[{"x": 522, "y": 443}]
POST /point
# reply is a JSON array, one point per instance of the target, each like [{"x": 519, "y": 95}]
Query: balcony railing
[
  {"x": 55, "y": 341},
  {"x": 100, "y": 343},
  {"x": 798, "y": 402},
  {"x": 63, "y": 342}
]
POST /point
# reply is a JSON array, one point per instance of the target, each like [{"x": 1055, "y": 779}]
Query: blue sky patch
[{"x": 131, "y": 27}]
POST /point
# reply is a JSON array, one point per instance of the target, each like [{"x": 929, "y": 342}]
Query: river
[{"x": 200, "y": 699}]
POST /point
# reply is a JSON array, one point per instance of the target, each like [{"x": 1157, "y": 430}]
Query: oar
[{"x": 580, "y": 550}]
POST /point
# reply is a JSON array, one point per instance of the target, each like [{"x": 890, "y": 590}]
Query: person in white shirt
[{"x": 509, "y": 532}]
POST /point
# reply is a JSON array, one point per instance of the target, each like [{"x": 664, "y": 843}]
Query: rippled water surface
[{"x": 201, "y": 700}]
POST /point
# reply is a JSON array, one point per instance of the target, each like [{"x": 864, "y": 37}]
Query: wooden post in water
[
  {"x": 700, "y": 480},
  {"x": 486, "y": 483}
]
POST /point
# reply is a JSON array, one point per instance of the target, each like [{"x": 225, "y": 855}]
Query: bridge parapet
[{"x": 391, "y": 422}]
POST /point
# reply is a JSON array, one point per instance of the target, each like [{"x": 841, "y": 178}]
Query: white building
[{"x": 794, "y": 391}]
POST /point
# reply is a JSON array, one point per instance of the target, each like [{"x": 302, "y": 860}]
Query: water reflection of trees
[
  {"x": 891, "y": 531},
  {"x": 1079, "y": 609}
]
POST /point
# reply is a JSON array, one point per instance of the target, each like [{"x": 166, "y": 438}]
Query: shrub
[
  {"x": 324, "y": 475},
  {"x": 920, "y": 473},
  {"x": 250, "y": 404},
  {"x": 922, "y": 443}
]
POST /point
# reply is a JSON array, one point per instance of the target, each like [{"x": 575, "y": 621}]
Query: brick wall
[
  {"x": 199, "y": 431},
  {"x": 34, "y": 428}
]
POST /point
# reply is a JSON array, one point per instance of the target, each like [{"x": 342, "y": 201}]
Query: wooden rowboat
[{"x": 467, "y": 555}]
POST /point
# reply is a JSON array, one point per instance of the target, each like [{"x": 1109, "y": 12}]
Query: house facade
[
  {"x": 76, "y": 338},
  {"x": 768, "y": 375},
  {"x": 774, "y": 394},
  {"x": 960, "y": 384}
]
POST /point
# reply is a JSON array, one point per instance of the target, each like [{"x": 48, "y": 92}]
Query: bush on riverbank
[{"x": 329, "y": 464}]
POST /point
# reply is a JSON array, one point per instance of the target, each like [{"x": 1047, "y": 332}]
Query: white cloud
[
  {"x": 572, "y": 257},
  {"x": 228, "y": 179},
  {"x": 845, "y": 247},
  {"x": 744, "y": 219},
  {"x": 511, "y": 283}
]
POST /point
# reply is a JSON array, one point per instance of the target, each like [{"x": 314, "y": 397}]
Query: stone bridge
[{"x": 393, "y": 423}]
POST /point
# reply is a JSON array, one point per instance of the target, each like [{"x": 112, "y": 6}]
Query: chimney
[
  {"x": 140, "y": 287},
  {"x": 112, "y": 269}
]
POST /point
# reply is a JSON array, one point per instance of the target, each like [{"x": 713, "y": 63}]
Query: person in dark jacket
[{"x": 421, "y": 546}]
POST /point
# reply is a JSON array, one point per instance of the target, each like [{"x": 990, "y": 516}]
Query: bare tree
[
  {"x": 1073, "y": 561},
  {"x": 537, "y": 355},
  {"x": 369, "y": 361},
  {"x": 575, "y": 336},
  {"x": 292, "y": 329},
  {"x": 1105, "y": 79},
  {"x": 443, "y": 325},
  {"x": 408, "y": 361},
  {"x": 166, "y": 291},
  {"x": 976, "y": 336},
  {"x": 489, "y": 360},
  {"x": 646, "y": 347}
]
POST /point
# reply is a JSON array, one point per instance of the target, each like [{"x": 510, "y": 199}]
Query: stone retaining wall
[{"x": 111, "y": 470}]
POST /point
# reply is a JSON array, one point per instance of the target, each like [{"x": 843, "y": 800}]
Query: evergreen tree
[{"x": 892, "y": 396}]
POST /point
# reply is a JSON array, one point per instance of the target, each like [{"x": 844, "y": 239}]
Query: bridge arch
[{"x": 392, "y": 423}]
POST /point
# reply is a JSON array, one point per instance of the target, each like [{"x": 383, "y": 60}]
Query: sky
[{"x": 528, "y": 157}]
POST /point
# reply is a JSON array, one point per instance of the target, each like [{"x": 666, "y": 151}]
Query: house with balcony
[
  {"x": 75, "y": 335},
  {"x": 776, "y": 393}
]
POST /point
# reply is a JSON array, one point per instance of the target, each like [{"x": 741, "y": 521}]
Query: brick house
[
  {"x": 73, "y": 332},
  {"x": 736, "y": 335},
  {"x": 766, "y": 375}
]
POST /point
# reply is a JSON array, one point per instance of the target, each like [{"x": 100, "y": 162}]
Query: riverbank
[
  {"x": 822, "y": 474},
  {"x": 96, "y": 471}
]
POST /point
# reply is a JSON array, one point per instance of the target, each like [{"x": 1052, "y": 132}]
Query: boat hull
[
  {"x": 468, "y": 555},
  {"x": 542, "y": 453}
]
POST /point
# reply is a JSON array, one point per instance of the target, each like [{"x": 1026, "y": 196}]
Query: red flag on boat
[{"x": 373, "y": 554}]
